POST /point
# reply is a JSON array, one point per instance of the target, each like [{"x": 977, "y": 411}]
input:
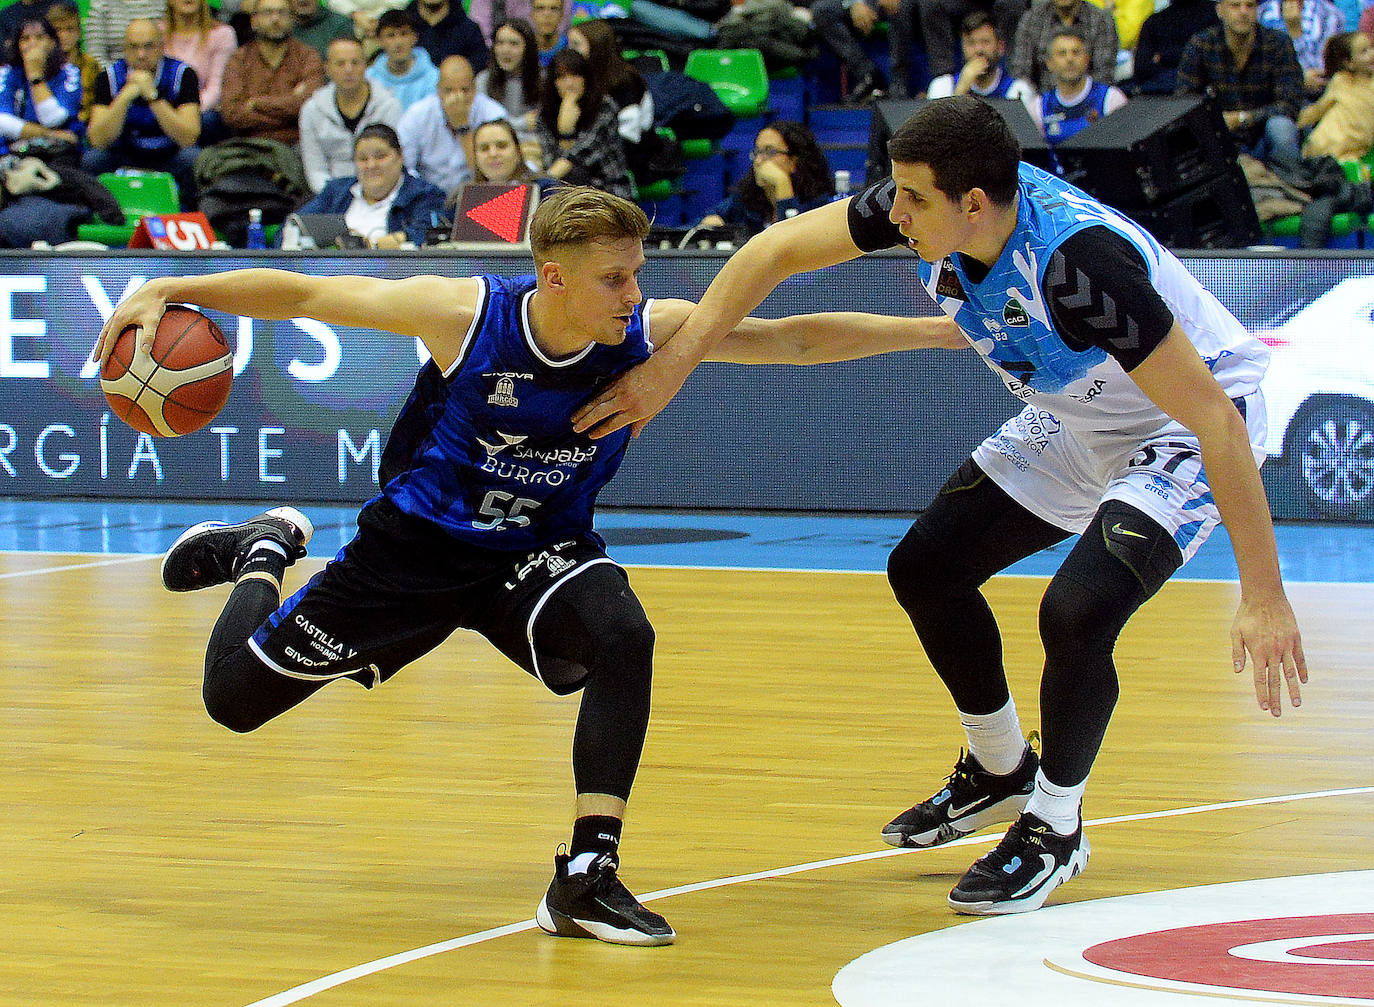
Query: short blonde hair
[{"x": 578, "y": 214}]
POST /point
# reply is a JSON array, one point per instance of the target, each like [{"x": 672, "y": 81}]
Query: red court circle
[{"x": 1200, "y": 954}]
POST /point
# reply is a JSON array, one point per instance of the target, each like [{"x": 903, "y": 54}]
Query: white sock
[
  {"x": 995, "y": 739},
  {"x": 1059, "y": 807}
]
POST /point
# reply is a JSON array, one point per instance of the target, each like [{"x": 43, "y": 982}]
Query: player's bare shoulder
[{"x": 441, "y": 309}]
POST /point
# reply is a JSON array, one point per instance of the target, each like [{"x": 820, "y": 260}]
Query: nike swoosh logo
[
  {"x": 1047, "y": 868},
  {"x": 1118, "y": 530},
  {"x": 957, "y": 812}
]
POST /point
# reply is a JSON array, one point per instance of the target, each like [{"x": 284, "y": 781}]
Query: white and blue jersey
[
  {"x": 17, "y": 104},
  {"x": 1060, "y": 121},
  {"x": 1078, "y": 297},
  {"x": 486, "y": 449}
]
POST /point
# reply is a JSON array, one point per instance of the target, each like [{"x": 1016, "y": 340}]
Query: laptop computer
[
  {"x": 323, "y": 229},
  {"x": 493, "y": 215}
]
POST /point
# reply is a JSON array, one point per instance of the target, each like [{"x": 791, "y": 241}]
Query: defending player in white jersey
[{"x": 1142, "y": 428}]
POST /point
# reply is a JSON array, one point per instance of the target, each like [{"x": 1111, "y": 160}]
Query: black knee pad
[{"x": 1139, "y": 543}]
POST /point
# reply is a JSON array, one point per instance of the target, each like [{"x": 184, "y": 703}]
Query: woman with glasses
[{"x": 789, "y": 176}]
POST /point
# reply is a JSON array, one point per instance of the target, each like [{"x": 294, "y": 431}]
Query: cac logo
[{"x": 1015, "y": 314}]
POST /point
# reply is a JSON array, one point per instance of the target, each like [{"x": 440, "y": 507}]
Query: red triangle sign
[{"x": 501, "y": 215}]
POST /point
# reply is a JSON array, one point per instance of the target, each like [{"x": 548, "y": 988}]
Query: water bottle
[
  {"x": 256, "y": 237},
  {"x": 291, "y": 234},
  {"x": 842, "y": 184}
]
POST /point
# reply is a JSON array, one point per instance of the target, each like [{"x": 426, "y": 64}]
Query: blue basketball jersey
[
  {"x": 486, "y": 449},
  {"x": 1063, "y": 121},
  {"x": 142, "y": 131}
]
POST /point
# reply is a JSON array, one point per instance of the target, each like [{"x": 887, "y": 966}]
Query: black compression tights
[{"x": 972, "y": 530}]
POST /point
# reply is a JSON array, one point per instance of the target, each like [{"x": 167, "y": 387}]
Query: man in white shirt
[
  {"x": 333, "y": 116},
  {"x": 436, "y": 133},
  {"x": 984, "y": 74}
]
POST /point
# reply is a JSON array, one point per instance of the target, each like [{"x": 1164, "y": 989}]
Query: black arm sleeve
[
  {"x": 869, "y": 225},
  {"x": 1099, "y": 294}
]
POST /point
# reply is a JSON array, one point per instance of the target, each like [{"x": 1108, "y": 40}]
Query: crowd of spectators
[{"x": 151, "y": 84}]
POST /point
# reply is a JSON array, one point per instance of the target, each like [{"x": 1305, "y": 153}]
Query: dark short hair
[
  {"x": 978, "y": 19},
  {"x": 378, "y": 131},
  {"x": 396, "y": 19},
  {"x": 1069, "y": 31},
  {"x": 966, "y": 145},
  {"x": 1340, "y": 47}
]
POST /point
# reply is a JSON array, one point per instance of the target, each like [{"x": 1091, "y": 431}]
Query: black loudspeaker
[
  {"x": 1149, "y": 151},
  {"x": 1035, "y": 149},
  {"x": 892, "y": 113},
  {"x": 1219, "y": 213}
]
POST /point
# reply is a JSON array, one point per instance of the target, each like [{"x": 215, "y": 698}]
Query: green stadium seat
[
  {"x": 151, "y": 193},
  {"x": 738, "y": 77}
]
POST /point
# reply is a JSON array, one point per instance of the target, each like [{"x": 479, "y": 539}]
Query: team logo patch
[
  {"x": 1014, "y": 314},
  {"x": 504, "y": 395},
  {"x": 948, "y": 284}
]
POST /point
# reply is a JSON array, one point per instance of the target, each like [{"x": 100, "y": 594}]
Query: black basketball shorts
[{"x": 402, "y": 587}]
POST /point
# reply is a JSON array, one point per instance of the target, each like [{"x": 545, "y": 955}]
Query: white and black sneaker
[
  {"x": 971, "y": 799},
  {"x": 211, "y": 552},
  {"x": 594, "y": 903},
  {"x": 1018, "y": 875}
]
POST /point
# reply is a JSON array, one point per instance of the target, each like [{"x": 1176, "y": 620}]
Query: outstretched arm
[
  {"x": 800, "y": 244},
  {"x": 435, "y": 310},
  {"x": 1178, "y": 381},
  {"x": 820, "y": 338}
]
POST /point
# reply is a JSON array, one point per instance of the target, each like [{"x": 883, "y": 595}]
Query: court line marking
[
  {"x": 136, "y": 558},
  {"x": 309, "y": 989},
  {"x": 1277, "y": 998}
]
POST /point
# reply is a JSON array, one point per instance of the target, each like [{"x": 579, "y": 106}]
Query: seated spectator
[
  {"x": 107, "y": 20},
  {"x": 446, "y": 30},
  {"x": 615, "y": 78},
  {"x": 268, "y": 80},
  {"x": 436, "y": 133},
  {"x": 512, "y": 77},
  {"x": 1031, "y": 49},
  {"x": 1076, "y": 101},
  {"x": 1342, "y": 119},
  {"x": 844, "y": 24},
  {"x": 317, "y": 25},
  {"x": 1252, "y": 74},
  {"x": 550, "y": 20},
  {"x": 578, "y": 128},
  {"x": 1308, "y": 24},
  {"x": 940, "y": 21},
  {"x": 66, "y": 21},
  {"x": 40, "y": 92},
  {"x": 146, "y": 112},
  {"x": 984, "y": 73},
  {"x": 404, "y": 70},
  {"x": 790, "y": 175},
  {"x": 194, "y": 36},
  {"x": 334, "y": 116},
  {"x": 1161, "y": 42},
  {"x": 382, "y": 202},
  {"x": 17, "y": 12},
  {"x": 496, "y": 154},
  {"x": 364, "y": 15}
]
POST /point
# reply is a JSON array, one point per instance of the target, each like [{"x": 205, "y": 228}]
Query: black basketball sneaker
[
  {"x": 1018, "y": 874},
  {"x": 211, "y": 552},
  {"x": 971, "y": 799},
  {"x": 594, "y": 903}
]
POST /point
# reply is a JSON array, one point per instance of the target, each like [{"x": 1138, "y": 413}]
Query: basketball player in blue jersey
[
  {"x": 484, "y": 518},
  {"x": 1142, "y": 428}
]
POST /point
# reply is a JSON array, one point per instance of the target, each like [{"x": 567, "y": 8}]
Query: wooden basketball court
[{"x": 152, "y": 857}]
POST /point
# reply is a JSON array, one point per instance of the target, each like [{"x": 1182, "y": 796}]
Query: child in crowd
[{"x": 1343, "y": 117}]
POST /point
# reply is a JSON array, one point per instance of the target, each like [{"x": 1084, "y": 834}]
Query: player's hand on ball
[{"x": 143, "y": 308}]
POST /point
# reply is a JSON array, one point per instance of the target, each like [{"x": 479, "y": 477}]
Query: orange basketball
[{"x": 182, "y": 387}]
